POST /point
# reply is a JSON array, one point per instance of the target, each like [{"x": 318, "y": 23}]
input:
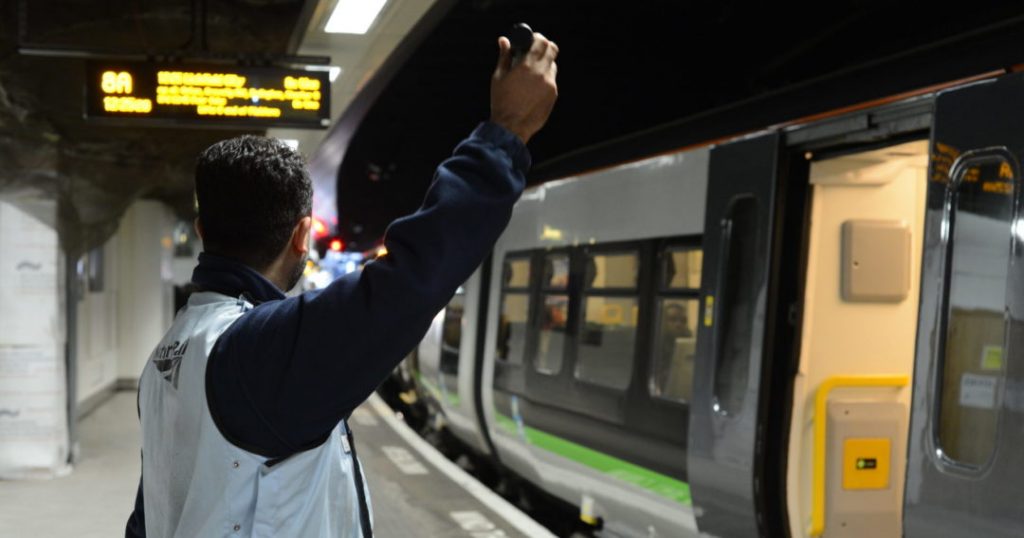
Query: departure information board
[{"x": 214, "y": 96}]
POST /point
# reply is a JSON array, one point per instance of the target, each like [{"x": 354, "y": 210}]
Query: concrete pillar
[{"x": 33, "y": 393}]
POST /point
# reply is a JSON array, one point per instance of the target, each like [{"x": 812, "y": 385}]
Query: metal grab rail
[{"x": 820, "y": 423}]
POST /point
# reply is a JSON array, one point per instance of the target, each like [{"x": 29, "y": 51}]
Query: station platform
[{"x": 414, "y": 490}]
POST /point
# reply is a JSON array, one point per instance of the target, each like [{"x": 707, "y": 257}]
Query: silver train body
[
  {"x": 575, "y": 213},
  {"x": 807, "y": 331}
]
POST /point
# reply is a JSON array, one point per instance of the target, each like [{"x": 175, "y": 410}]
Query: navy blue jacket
[{"x": 283, "y": 375}]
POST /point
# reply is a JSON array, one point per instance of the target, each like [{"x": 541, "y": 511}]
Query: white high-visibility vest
[{"x": 197, "y": 484}]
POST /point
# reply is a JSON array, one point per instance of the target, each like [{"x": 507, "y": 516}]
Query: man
[
  {"x": 675, "y": 323},
  {"x": 243, "y": 403}
]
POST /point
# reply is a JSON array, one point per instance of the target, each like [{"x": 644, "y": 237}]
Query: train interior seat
[
  {"x": 680, "y": 377},
  {"x": 604, "y": 350}
]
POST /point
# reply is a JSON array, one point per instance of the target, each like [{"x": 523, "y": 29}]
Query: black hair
[
  {"x": 251, "y": 191},
  {"x": 675, "y": 306}
]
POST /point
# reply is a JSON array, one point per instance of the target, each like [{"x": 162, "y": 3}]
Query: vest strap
[{"x": 364, "y": 510}]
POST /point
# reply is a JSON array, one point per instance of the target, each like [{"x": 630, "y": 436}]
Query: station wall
[{"x": 125, "y": 303}]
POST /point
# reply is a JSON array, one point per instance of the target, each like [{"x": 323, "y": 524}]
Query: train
[{"x": 806, "y": 330}]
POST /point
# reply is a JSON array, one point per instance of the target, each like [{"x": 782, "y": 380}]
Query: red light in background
[
  {"x": 336, "y": 245},
  {"x": 319, "y": 228}
]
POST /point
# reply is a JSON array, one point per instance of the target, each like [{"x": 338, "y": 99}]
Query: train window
[
  {"x": 554, "y": 315},
  {"x": 451, "y": 333},
  {"x": 517, "y": 273},
  {"x": 611, "y": 271},
  {"x": 514, "y": 310},
  {"x": 556, "y": 271},
  {"x": 675, "y": 322},
  {"x": 681, "y": 268},
  {"x": 737, "y": 302},
  {"x": 551, "y": 333},
  {"x": 675, "y": 344},
  {"x": 610, "y": 306},
  {"x": 980, "y": 219}
]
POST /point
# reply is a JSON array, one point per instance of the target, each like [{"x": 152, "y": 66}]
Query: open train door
[
  {"x": 735, "y": 330},
  {"x": 965, "y": 473}
]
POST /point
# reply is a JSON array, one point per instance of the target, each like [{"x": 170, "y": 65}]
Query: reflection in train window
[
  {"x": 980, "y": 217},
  {"x": 551, "y": 333},
  {"x": 736, "y": 304},
  {"x": 514, "y": 310},
  {"x": 556, "y": 271},
  {"x": 610, "y": 310},
  {"x": 451, "y": 333},
  {"x": 675, "y": 344},
  {"x": 681, "y": 268}
]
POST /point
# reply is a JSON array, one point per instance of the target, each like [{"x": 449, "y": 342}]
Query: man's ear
[
  {"x": 199, "y": 228},
  {"x": 300, "y": 235}
]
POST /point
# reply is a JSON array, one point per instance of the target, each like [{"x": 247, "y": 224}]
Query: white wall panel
[{"x": 145, "y": 291}]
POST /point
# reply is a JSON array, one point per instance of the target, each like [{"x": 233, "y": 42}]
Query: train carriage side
[
  {"x": 449, "y": 360},
  {"x": 590, "y": 339},
  {"x": 856, "y": 372},
  {"x": 448, "y": 367},
  {"x": 854, "y": 285},
  {"x": 964, "y": 470}
]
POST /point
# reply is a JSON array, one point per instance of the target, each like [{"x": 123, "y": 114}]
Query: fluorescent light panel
[
  {"x": 353, "y": 16},
  {"x": 332, "y": 70}
]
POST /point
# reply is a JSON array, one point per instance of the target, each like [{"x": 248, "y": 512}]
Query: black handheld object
[{"x": 521, "y": 38}]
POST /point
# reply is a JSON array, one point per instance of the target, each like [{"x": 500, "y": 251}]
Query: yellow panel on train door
[{"x": 866, "y": 463}]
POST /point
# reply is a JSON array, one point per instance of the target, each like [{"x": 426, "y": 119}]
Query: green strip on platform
[{"x": 665, "y": 486}]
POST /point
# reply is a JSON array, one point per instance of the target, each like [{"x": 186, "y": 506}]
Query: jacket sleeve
[{"x": 282, "y": 376}]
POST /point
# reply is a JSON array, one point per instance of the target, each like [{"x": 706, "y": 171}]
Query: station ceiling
[{"x": 96, "y": 171}]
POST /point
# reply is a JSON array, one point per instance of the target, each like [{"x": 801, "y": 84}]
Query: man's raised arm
[{"x": 285, "y": 373}]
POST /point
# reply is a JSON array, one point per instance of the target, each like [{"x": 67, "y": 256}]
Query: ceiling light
[{"x": 353, "y": 16}]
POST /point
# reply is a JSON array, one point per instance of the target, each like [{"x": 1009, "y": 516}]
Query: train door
[
  {"x": 965, "y": 473},
  {"x": 851, "y": 397},
  {"x": 734, "y": 332}
]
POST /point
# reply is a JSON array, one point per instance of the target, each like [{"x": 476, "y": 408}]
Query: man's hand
[{"x": 522, "y": 95}]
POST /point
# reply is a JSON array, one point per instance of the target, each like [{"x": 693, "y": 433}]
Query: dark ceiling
[
  {"x": 636, "y": 78},
  {"x": 95, "y": 171}
]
